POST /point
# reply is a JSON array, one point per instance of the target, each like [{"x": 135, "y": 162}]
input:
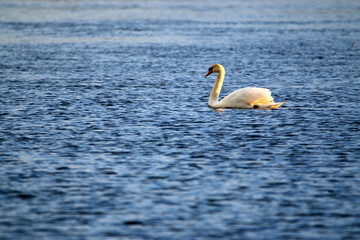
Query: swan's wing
[{"x": 247, "y": 97}]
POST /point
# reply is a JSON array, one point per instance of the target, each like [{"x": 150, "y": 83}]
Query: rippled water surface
[{"x": 105, "y": 132}]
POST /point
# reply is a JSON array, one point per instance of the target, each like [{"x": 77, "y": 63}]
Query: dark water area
[{"x": 105, "y": 132}]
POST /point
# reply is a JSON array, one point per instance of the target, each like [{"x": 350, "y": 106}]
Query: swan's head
[{"x": 215, "y": 69}]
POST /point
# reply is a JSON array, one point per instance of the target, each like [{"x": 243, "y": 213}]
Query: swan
[{"x": 249, "y": 97}]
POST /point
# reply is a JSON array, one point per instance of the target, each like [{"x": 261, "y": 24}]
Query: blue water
[{"x": 105, "y": 132}]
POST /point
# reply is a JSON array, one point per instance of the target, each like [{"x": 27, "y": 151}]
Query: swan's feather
[{"x": 247, "y": 98}]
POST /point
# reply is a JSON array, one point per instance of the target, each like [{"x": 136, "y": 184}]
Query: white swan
[{"x": 249, "y": 97}]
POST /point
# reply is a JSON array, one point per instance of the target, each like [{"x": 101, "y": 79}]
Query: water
[{"x": 105, "y": 131}]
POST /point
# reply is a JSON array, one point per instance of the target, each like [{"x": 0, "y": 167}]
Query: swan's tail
[
  {"x": 276, "y": 105},
  {"x": 271, "y": 105}
]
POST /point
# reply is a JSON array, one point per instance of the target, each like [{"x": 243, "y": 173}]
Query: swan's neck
[{"x": 214, "y": 95}]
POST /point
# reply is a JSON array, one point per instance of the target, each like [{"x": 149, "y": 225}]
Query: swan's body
[{"x": 249, "y": 97}]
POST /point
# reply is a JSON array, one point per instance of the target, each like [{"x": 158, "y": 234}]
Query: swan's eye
[{"x": 211, "y": 68}]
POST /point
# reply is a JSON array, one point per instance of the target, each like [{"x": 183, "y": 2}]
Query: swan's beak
[{"x": 210, "y": 72}]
